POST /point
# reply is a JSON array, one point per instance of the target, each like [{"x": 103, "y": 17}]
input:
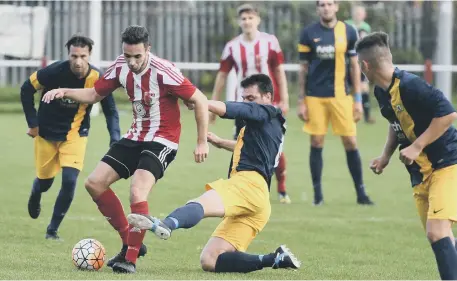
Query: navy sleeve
[
  {"x": 249, "y": 111},
  {"x": 352, "y": 39},
  {"x": 112, "y": 118},
  {"x": 304, "y": 46},
  {"x": 429, "y": 97},
  {"x": 28, "y": 104}
]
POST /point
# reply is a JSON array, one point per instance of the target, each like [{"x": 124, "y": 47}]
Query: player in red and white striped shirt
[
  {"x": 254, "y": 52},
  {"x": 150, "y": 145}
]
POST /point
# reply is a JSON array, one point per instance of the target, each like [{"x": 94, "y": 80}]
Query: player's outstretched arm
[
  {"x": 200, "y": 104},
  {"x": 112, "y": 118},
  {"x": 280, "y": 75},
  {"x": 219, "y": 83},
  {"x": 28, "y": 105},
  {"x": 221, "y": 143},
  {"x": 86, "y": 95},
  {"x": 243, "y": 110},
  {"x": 378, "y": 164}
]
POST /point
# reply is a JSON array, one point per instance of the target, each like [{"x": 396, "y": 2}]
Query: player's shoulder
[
  {"x": 268, "y": 37},
  {"x": 312, "y": 27},
  {"x": 350, "y": 28},
  {"x": 409, "y": 81},
  {"x": 234, "y": 41},
  {"x": 161, "y": 63},
  {"x": 56, "y": 67},
  {"x": 95, "y": 69}
]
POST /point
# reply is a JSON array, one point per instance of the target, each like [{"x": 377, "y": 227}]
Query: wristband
[{"x": 357, "y": 97}]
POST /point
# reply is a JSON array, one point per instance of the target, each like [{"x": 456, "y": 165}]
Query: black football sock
[
  {"x": 42, "y": 185},
  {"x": 242, "y": 262},
  {"x": 366, "y": 106},
  {"x": 186, "y": 216},
  {"x": 446, "y": 258},
  {"x": 355, "y": 168},
  {"x": 65, "y": 197},
  {"x": 316, "y": 164},
  {"x": 455, "y": 243}
]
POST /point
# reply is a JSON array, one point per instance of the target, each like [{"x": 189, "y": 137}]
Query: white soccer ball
[{"x": 88, "y": 254}]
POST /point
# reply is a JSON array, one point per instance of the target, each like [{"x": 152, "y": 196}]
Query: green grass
[{"x": 339, "y": 240}]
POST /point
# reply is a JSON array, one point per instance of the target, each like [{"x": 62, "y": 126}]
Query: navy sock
[
  {"x": 446, "y": 258},
  {"x": 242, "y": 262},
  {"x": 355, "y": 167},
  {"x": 65, "y": 197},
  {"x": 316, "y": 164},
  {"x": 186, "y": 216},
  {"x": 366, "y": 105},
  {"x": 41, "y": 185},
  {"x": 455, "y": 243}
]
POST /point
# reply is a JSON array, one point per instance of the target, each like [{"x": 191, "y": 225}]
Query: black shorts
[{"x": 126, "y": 156}]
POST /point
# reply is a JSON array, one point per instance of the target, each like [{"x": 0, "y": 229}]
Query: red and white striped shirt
[
  {"x": 262, "y": 55},
  {"x": 154, "y": 95}
]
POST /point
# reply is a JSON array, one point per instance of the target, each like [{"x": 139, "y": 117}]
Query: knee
[
  {"x": 69, "y": 177},
  {"x": 317, "y": 141},
  {"x": 434, "y": 235},
  {"x": 45, "y": 184},
  {"x": 350, "y": 143},
  {"x": 208, "y": 261},
  {"x": 94, "y": 186}
]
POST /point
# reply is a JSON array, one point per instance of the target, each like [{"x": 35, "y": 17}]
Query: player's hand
[
  {"x": 214, "y": 140},
  {"x": 190, "y": 105},
  {"x": 377, "y": 165},
  {"x": 201, "y": 152},
  {"x": 284, "y": 106},
  {"x": 32, "y": 132},
  {"x": 409, "y": 154},
  {"x": 302, "y": 112},
  {"x": 212, "y": 118},
  {"x": 358, "y": 111},
  {"x": 52, "y": 95}
]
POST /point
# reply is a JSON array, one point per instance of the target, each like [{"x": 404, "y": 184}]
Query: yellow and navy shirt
[
  {"x": 410, "y": 104},
  {"x": 260, "y": 141},
  {"x": 327, "y": 51},
  {"x": 64, "y": 119}
]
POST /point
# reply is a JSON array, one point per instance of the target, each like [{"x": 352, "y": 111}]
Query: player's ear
[{"x": 148, "y": 49}]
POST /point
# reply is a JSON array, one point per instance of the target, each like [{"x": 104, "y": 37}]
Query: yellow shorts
[
  {"x": 339, "y": 112},
  {"x": 436, "y": 197},
  {"x": 50, "y": 156},
  {"x": 247, "y": 208}
]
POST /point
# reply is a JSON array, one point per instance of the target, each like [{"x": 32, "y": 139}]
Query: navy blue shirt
[
  {"x": 327, "y": 50},
  {"x": 260, "y": 141},
  {"x": 410, "y": 104},
  {"x": 64, "y": 119}
]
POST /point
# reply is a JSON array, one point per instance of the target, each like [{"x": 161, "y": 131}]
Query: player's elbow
[{"x": 198, "y": 98}]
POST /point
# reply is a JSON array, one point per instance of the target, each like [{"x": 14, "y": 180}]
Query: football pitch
[{"x": 339, "y": 240}]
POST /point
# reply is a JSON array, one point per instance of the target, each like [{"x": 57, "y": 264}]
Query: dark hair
[
  {"x": 79, "y": 41},
  {"x": 263, "y": 82},
  {"x": 317, "y": 2},
  {"x": 375, "y": 39},
  {"x": 246, "y": 8},
  {"x": 135, "y": 34}
]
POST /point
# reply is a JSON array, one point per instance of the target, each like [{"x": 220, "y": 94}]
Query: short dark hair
[
  {"x": 78, "y": 40},
  {"x": 375, "y": 39},
  {"x": 135, "y": 34},
  {"x": 246, "y": 8},
  {"x": 263, "y": 82},
  {"x": 317, "y": 2}
]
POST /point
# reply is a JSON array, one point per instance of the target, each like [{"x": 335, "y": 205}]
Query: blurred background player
[
  {"x": 60, "y": 128},
  {"x": 359, "y": 15},
  {"x": 151, "y": 144},
  {"x": 254, "y": 52},
  {"x": 324, "y": 48},
  {"x": 420, "y": 120},
  {"x": 243, "y": 199}
]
